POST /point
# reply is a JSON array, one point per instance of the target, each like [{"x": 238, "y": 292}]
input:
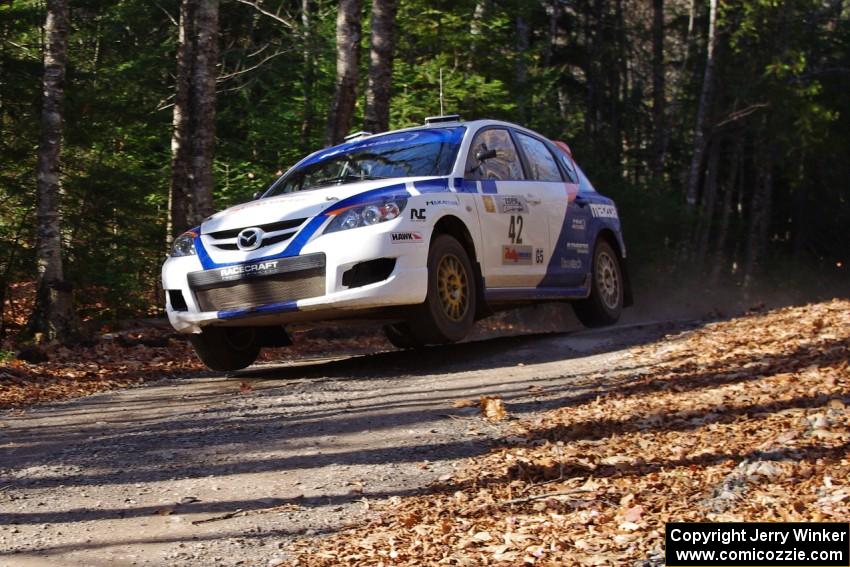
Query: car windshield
[{"x": 416, "y": 153}]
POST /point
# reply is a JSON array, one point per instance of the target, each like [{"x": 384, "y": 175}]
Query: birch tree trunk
[
  {"x": 53, "y": 315},
  {"x": 347, "y": 60},
  {"x": 476, "y": 32},
  {"x": 694, "y": 172},
  {"x": 377, "y": 114}
]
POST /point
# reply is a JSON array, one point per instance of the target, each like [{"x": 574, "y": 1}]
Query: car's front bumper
[{"x": 406, "y": 284}]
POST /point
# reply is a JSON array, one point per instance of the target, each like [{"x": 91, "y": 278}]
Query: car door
[
  {"x": 513, "y": 219},
  {"x": 569, "y": 218}
]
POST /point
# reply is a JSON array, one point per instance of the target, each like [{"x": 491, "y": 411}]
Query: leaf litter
[{"x": 740, "y": 420}]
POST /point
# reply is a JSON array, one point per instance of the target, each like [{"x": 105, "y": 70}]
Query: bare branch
[
  {"x": 167, "y": 13},
  {"x": 260, "y": 9},
  {"x": 223, "y": 78},
  {"x": 23, "y": 48},
  {"x": 743, "y": 113}
]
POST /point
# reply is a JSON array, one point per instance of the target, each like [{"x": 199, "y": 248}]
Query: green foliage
[{"x": 584, "y": 77}]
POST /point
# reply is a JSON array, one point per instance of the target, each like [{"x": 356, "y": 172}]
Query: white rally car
[{"x": 427, "y": 228}]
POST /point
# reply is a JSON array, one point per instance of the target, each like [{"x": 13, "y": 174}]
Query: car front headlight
[
  {"x": 366, "y": 215},
  {"x": 184, "y": 245}
]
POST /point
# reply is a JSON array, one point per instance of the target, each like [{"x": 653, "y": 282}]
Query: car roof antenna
[{"x": 442, "y": 117}]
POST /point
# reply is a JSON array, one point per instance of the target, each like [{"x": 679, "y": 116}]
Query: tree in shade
[
  {"x": 348, "y": 29},
  {"x": 377, "y": 113},
  {"x": 193, "y": 122},
  {"x": 53, "y": 316}
]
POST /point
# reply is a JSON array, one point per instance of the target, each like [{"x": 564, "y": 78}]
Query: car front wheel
[
  {"x": 448, "y": 313},
  {"x": 605, "y": 303},
  {"x": 226, "y": 348}
]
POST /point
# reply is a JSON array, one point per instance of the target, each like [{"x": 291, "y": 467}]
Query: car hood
[{"x": 300, "y": 205}]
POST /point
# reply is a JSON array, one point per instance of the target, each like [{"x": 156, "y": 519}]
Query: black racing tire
[
  {"x": 400, "y": 336},
  {"x": 448, "y": 313},
  {"x": 605, "y": 303},
  {"x": 226, "y": 348}
]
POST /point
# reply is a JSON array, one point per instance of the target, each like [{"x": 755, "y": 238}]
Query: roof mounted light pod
[
  {"x": 356, "y": 135},
  {"x": 445, "y": 118}
]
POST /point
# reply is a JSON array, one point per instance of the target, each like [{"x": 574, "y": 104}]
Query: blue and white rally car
[{"x": 427, "y": 228}]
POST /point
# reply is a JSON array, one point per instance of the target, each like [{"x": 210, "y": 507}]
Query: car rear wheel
[
  {"x": 226, "y": 348},
  {"x": 605, "y": 303},
  {"x": 448, "y": 313}
]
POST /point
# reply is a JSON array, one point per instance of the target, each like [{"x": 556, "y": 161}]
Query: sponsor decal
[
  {"x": 538, "y": 255},
  {"x": 232, "y": 272},
  {"x": 442, "y": 202},
  {"x": 516, "y": 255},
  {"x": 580, "y": 247},
  {"x": 570, "y": 264},
  {"x": 604, "y": 211},
  {"x": 406, "y": 237},
  {"x": 512, "y": 204},
  {"x": 417, "y": 215},
  {"x": 489, "y": 204},
  {"x": 579, "y": 224}
]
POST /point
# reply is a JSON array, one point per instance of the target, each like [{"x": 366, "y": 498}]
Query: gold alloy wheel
[
  {"x": 453, "y": 285},
  {"x": 607, "y": 280}
]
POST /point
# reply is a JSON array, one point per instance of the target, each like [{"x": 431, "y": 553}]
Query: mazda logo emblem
[{"x": 250, "y": 239}]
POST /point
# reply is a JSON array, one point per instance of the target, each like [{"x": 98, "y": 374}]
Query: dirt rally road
[{"x": 220, "y": 470}]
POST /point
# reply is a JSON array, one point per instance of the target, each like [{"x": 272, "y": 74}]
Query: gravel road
[{"x": 225, "y": 470}]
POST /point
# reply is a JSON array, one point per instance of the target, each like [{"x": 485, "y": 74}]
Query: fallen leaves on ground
[
  {"x": 493, "y": 408},
  {"x": 117, "y": 360},
  {"x": 741, "y": 420}
]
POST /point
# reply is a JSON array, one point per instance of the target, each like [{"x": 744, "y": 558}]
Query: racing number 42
[{"x": 515, "y": 229}]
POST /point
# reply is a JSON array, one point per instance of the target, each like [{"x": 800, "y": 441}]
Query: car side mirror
[
  {"x": 257, "y": 195},
  {"x": 484, "y": 155}
]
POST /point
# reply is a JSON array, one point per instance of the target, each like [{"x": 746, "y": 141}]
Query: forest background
[{"x": 721, "y": 128}]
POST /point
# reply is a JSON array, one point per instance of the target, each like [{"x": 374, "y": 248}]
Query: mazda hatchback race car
[{"x": 428, "y": 229}]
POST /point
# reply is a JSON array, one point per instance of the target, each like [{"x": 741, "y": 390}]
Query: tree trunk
[
  {"x": 709, "y": 197},
  {"x": 377, "y": 114},
  {"x": 729, "y": 198},
  {"x": 193, "y": 121},
  {"x": 202, "y": 122},
  {"x": 347, "y": 61},
  {"x": 521, "y": 67},
  {"x": 178, "y": 194},
  {"x": 659, "y": 135},
  {"x": 53, "y": 315},
  {"x": 553, "y": 12},
  {"x": 695, "y": 170},
  {"x": 476, "y": 32},
  {"x": 309, "y": 80},
  {"x": 760, "y": 214}
]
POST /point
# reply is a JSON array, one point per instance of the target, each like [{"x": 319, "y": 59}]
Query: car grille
[
  {"x": 275, "y": 232},
  {"x": 300, "y": 277}
]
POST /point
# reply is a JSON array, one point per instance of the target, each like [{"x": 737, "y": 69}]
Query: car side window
[
  {"x": 499, "y": 160},
  {"x": 567, "y": 164},
  {"x": 541, "y": 162}
]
